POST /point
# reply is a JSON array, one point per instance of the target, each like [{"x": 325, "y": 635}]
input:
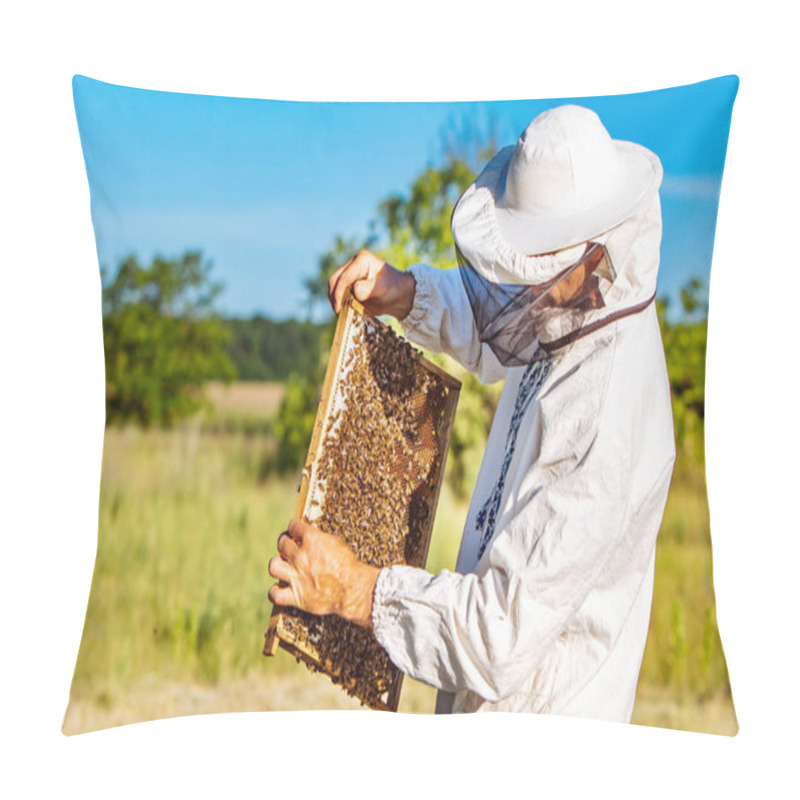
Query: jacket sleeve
[
  {"x": 441, "y": 321},
  {"x": 487, "y": 631}
]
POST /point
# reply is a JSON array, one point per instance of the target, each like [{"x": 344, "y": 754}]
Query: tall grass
[
  {"x": 188, "y": 519},
  {"x": 684, "y": 652},
  {"x": 179, "y": 589}
]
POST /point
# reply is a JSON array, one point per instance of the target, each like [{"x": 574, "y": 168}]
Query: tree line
[
  {"x": 262, "y": 349},
  {"x": 163, "y": 341}
]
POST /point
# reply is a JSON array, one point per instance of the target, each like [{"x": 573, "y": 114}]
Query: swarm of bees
[{"x": 373, "y": 480}]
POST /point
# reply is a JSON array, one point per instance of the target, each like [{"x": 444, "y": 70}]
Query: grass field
[{"x": 187, "y": 521}]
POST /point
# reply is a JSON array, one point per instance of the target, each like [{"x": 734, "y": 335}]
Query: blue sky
[{"x": 262, "y": 187}]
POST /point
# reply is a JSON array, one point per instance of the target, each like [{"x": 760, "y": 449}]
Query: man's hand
[
  {"x": 378, "y": 286},
  {"x": 320, "y": 574}
]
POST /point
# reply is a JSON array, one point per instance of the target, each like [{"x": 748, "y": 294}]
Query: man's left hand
[{"x": 320, "y": 574}]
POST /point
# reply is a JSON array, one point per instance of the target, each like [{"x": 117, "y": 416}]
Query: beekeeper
[{"x": 548, "y": 610}]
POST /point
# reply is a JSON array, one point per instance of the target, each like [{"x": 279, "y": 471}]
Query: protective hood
[{"x": 518, "y": 300}]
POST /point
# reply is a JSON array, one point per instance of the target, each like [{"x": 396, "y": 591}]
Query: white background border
[{"x": 52, "y": 394}]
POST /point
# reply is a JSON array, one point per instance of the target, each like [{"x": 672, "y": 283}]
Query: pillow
[{"x": 218, "y": 222}]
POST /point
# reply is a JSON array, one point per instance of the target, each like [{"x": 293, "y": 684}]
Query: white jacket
[{"x": 553, "y": 617}]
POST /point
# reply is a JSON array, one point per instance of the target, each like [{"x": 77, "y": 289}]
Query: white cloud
[{"x": 698, "y": 186}]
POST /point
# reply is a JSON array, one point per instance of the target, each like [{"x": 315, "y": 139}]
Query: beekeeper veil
[{"x": 558, "y": 235}]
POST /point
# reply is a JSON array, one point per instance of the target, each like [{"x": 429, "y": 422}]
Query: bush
[{"x": 162, "y": 340}]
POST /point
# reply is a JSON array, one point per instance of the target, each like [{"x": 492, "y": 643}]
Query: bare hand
[
  {"x": 378, "y": 286},
  {"x": 320, "y": 574}
]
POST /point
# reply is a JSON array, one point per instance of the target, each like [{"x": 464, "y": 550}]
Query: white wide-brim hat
[{"x": 565, "y": 182}]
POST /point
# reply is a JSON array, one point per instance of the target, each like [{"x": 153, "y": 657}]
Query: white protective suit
[{"x": 553, "y": 617}]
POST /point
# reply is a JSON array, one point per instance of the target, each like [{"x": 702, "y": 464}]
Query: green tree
[
  {"x": 162, "y": 339},
  {"x": 417, "y": 225},
  {"x": 685, "y": 349}
]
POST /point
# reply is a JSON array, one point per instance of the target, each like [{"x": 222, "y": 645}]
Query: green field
[{"x": 188, "y": 519}]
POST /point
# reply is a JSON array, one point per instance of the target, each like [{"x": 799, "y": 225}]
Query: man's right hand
[{"x": 378, "y": 286}]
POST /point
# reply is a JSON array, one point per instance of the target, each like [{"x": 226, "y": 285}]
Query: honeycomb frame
[{"x": 282, "y": 631}]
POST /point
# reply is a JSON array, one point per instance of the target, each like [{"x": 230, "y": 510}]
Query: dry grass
[
  {"x": 155, "y": 699},
  {"x": 245, "y": 398},
  {"x": 188, "y": 519},
  {"x": 662, "y": 708},
  {"x": 297, "y": 689}
]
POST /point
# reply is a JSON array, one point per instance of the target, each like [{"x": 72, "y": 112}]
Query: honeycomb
[{"x": 373, "y": 478}]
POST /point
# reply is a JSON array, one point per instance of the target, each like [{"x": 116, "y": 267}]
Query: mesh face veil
[{"x": 522, "y": 322}]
